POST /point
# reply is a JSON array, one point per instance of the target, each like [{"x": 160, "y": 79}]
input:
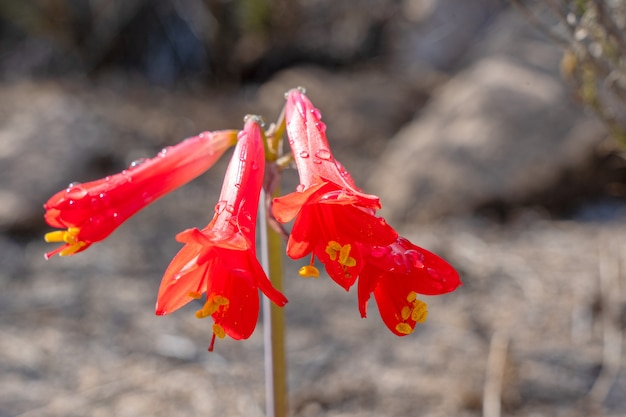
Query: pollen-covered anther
[
  {"x": 420, "y": 311},
  {"x": 195, "y": 295},
  {"x": 68, "y": 236},
  {"x": 404, "y": 328},
  {"x": 219, "y": 331},
  {"x": 212, "y": 305},
  {"x": 309, "y": 271},
  {"x": 340, "y": 253}
]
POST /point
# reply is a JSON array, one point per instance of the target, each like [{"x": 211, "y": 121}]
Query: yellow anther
[
  {"x": 219, "y": 331},
  {"x": 420, "y": 311},
  {"x": 56, "y": 236},
  {"x": 309, "y": 271},
  {"x": 404, "y": 328},
  {"x": 406, "y": 312},
  {"x": 344, "y": 256},
  {"x": 194, "y": 294},
  {"x": 411, "y": 297},
  {"x": 73, "y": 248},
  {"x": 220, "y": 300},
  {"x": 212, "y": 304},
  {"x": 334, "y": 248}
]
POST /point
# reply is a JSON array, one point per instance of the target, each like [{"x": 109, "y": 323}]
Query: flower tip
[{"x": 254, "y": 118}]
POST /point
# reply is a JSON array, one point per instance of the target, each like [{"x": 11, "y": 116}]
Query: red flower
[
  {"x": 396, "y": 274},
  {"x": 220, "y": 260},
  {"x": 335, "y": 221},
  {"x": 333, "y": 218},
  {"x": 92, "y": 211}
]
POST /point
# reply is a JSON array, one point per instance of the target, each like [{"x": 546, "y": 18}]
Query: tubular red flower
[
  {"x": 336, "y": 222},
  {"x": 332, "y": 216},
  {"x": 220, "y": 260},
  {"x": 396, "y": 273},
  {"x": 92, "y": 211}
]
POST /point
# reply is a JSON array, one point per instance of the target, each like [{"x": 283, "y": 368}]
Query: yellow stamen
[
  {"x": 66, "y": 236},
  {"x": 411, "y": 297},
  {"x": 404, "y": 328},
  {"x": 56, "y": 236},
  {"x": 406, "y": 312},
  {"x": 212, "y": 304},
  {"x": 420, "y": 311},
  {"x": 334, "y": 248},
  {"x": 309, "y": 271},
  {"x": 72, "y": 249},
  {"x": 194, "y": 294},
  {"x": 219, "y": 331},
  {"x": 344, "y": 256}
]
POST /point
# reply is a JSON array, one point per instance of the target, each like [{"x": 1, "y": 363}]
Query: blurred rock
[
  {"x": 503, "y": 128},
  {"x": 437, "y": 34}
]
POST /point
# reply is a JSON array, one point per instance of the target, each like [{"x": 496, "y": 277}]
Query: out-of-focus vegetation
[
  {"x": 169, "y": 41},
  {"x": 593, "y": 33}
]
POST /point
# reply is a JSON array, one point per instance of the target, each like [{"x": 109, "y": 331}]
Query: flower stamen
[
  {"x": 339, "y": 253},
  {"x": 415, "y": 311},
  {"x": 213, "y": 303}
]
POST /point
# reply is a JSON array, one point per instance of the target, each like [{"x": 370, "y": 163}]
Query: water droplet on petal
[
  {"x": 242, "y": 134},
  {"x": 300, "y": 188},
  {"x": 316, "y": 113},
  {"x": 317, "y": 161},
  {"x": 414, "y": 258},
  {"x": 255, "y": 166},
  {"x": 379, "y": 251},
  {"x": 321, "y": 126},
  {"x": 230, "y": 208},
  {"x": 137, "y": 162},
  {"x": 323, "y": 154},
  {"x": 304, "y": 154},
  {"x": 164, "y": 151},
  {"x": 75, "y": 190},
  {"x": 301, "y": 89}
]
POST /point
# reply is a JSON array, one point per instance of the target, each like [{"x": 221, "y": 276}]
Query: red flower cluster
[
  {"x": 336, "y": 222},
  {"x": 333, "y": 221}
]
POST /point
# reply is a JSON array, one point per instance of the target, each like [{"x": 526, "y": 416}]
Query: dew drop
[
  {"x": 323, "y": 154},
  {"x": 379, "y": 251},
  {"x": 237, "y": 186},
  {"x": 414, "y": 258},
  {"x": 75, "y": 190},
  {"x": 255, "y": 166},
  {"x": 316, "y": 113},
  {"x": 304, "y": 154},
  {"x": 321, "y": 126},
  {"x": 317, "y": 161},
  {"x": 301, "y": 89},
  {"x": 137, "y": 162},
  {"x": 164, "y": 151},
  {"x": 242, "y": 134},
  {"x": 300, "y": 188}
]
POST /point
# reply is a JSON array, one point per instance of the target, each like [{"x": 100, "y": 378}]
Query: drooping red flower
[
  {"x": 92, "y": 211},
  {"x": 220, "y": 260},
  {"x": 396, "y": 274},
  {"x": 336, "y": 221},
  {"x": 333, "y": 218}
]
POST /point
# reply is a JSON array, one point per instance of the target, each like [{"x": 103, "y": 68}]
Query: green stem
[{"x": 274, "y": 322}]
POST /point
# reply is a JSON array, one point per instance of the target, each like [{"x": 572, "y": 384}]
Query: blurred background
[{"x": 492, "y": 130}]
